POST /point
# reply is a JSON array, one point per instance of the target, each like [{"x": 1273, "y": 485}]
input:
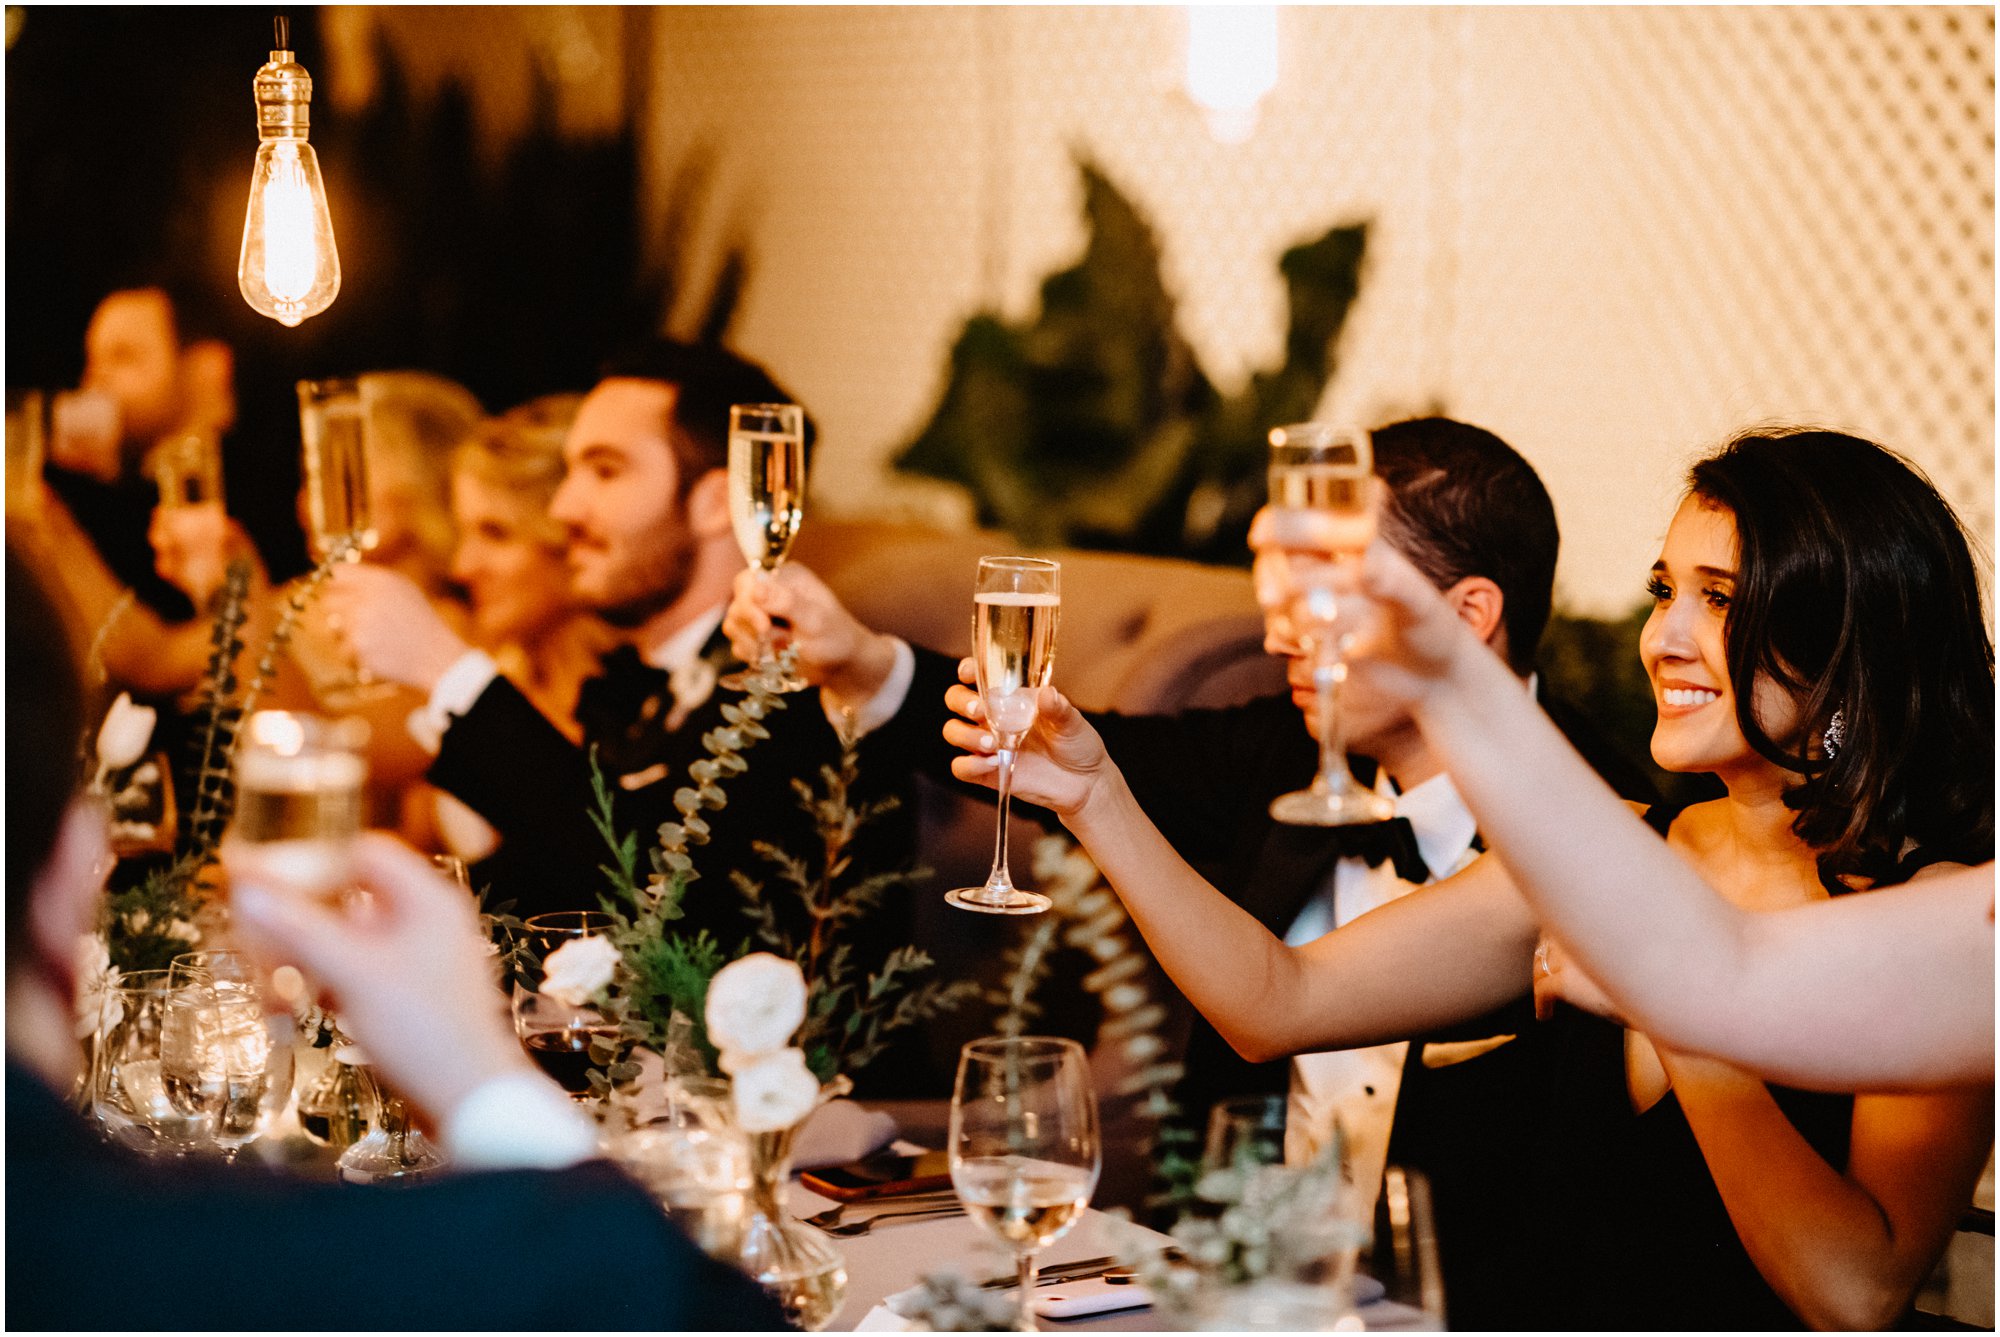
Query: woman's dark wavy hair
[{"x": 1856, "y": 591}]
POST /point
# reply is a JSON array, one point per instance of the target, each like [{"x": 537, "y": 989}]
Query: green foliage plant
[
  {"x": 660, "y": 994},
  {"x": 1093, "y": 425}
]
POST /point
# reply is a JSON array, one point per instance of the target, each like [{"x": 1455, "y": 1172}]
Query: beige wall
[{"x": 1611, "y": 235}]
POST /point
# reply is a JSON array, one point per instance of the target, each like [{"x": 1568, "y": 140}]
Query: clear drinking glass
[
  {"x": 249, "y": 1044},
  {"x": 187, "y": 468},
  {"x": 1245, "y": 1131},
  {"x": 1321, "y": 467},
  {"x": 128, "y": 1093},
  {"x": 767, "y": 495},
  {"x": 1016, "y": 602},
  {"x": 298, "y": 800},
  {"x": 556, "y": 1034},
  {"x": 339, "y": 515},
  {"x": 1023, "y": 1144}
]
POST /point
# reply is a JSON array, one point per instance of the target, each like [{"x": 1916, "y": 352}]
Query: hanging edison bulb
[{"x": 288, "y": 268}]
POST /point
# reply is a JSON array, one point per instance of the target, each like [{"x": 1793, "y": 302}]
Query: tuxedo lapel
[{"x": 1293, "y": 863}]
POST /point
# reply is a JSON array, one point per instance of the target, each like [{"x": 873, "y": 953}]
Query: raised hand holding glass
[
  {"x": 1016, "y": 602},
  {"x": 1328, "y": 469},
  {"x": 767, "y": 494}
]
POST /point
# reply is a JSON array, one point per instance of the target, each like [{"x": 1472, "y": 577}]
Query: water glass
[{"x": 1023, "y": 1145}]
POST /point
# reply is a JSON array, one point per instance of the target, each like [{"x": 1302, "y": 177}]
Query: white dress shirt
[
  {"x": 689, "y": 677},
  {"x": 1358, "y": 1087}
]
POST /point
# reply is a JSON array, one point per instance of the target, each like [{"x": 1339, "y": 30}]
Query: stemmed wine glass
[
  {"x": 1321, "y": 467},
  {"x": 556, "y": 1034},
  {"x": 339, "y": 517},
  {"x": 1016, "y": 602},
  {"x": 1024, "y": 1147},
  {"x": 229, "y": 1050},
  {"x": 767, "y": 494},
  {"x": 128, "y": 1094}
]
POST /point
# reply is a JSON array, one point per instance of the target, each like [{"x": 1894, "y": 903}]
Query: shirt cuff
[
  {"x": 880, "y": 708},
  {"x": 457, "y": 688},
  {"x": 518, "y": 1121}
]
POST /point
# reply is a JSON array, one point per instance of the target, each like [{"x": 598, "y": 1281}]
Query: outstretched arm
[
  {"x": 1430, "y": 959},
  {"x": 1892, "y": 990}
]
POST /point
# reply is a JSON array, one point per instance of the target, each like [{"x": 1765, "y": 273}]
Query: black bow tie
[{"x": 1394, "y": 840}]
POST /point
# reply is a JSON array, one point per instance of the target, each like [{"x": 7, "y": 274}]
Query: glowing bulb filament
[{"x": 290, "y": 256}]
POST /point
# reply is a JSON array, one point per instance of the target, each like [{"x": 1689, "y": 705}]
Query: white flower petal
[
  {"x": 774, "y": 1092},
  {"x": 755, "y": 1004},
  {"x": 579, "y": 969}
]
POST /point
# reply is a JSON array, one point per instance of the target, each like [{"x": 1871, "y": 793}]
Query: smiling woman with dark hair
[{"x": 1817, "y": 644}]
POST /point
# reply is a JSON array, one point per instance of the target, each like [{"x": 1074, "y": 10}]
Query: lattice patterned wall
[{"x": 1614, "y": 236}]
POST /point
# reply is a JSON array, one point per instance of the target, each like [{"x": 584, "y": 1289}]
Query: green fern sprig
[{"x": 217, "y": 720}]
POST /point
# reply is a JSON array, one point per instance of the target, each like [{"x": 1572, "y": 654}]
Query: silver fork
[
  {"x": 848, "y": 1229},
  {"x": 832, "y": 1215}
]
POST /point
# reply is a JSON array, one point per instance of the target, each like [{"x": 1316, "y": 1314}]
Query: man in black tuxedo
[
  {"x": 525, "y": 1235},
  {"x": 646, "y": 504},
  {"x": 1473, "y": 515}
]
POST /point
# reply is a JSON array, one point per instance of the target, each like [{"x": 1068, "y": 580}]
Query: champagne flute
[
  {"x": 555, "y": 1034},
  {"x": 1015, "y": 605},
  {"x": 339, "y": 516},
  {"x": 1024, "y": 1148},
  {"x": 1321, "y": 467},
  {"x": 767, "y": 492}
]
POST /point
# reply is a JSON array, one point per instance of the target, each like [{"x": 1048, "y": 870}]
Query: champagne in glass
[
  {"x": 339, "y": 515},
  {"x": 1023, "y": 1144},
  {"x": 1016, "y": 602},
  {"x": 299, "y": 801},
  {"x": 336, "y": 468},
  {"x": 767, "y": 493},
  {"x": 1326, "y": 469}
]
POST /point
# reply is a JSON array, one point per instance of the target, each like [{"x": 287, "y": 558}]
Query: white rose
[
  {"x": 96, "y": 977},
  {"x": 774, "y": 1092},
  {"x": 122, "y": 738},
  {"x": 754, "y": 1005},
  {"x": 576, "y": 971}
]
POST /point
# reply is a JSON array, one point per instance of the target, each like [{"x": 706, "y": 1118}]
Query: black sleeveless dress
[{"x": 1633, "y": 1229}]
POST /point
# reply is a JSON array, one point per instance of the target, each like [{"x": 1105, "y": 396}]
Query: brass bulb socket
[{"x": 284, "y": 98}]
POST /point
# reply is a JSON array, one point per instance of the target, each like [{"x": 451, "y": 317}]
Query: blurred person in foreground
[
  {"x": 1889, "y": 991},
  {"x": 1455, "y": 1102},
  {"x": 1817, "y": 643},
  {"x": 97, "y": 1238}
]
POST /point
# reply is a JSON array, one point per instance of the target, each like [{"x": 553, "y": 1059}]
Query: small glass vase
[
  {"x": 795, "y": 1264},
  {"x": 334, "y": 1110}
]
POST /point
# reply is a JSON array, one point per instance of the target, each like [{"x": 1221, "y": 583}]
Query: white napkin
[{"x": 841, "y": 1131}]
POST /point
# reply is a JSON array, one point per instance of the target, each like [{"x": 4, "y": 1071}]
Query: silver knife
[{"x": 1077, "y": 1269}]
